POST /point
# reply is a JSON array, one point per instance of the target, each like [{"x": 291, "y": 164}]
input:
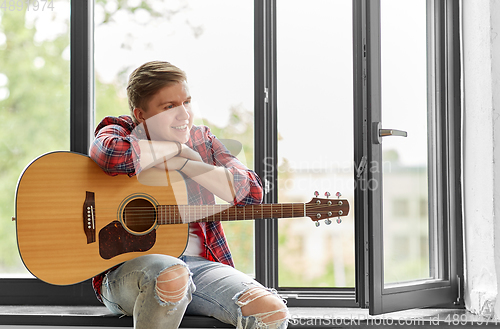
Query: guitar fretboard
[{"x": 182, "y": 214}]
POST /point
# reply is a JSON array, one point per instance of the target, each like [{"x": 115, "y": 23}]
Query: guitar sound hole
[{"x": 139, "y": 215}]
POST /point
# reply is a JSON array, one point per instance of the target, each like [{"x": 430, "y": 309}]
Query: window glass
[
  {"x": 213, "y": 42},
  {"x": 406, "y": 179},
  {"x": 34, "y": 101},
  {"x": 315, "y": 147}
]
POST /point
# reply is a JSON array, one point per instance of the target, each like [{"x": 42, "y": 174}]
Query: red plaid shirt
[{"x": 116, "y": 151}]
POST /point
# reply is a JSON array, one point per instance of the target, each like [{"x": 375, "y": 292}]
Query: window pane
[
  {"x": 405, "y": 160},
  {"x": 315, "y": 124},
  {"x": 34, "y": 102},
  {"x": 213, "y": 42}
]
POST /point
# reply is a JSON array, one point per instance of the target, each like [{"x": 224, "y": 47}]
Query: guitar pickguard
[{"x": 114, "y": 240}]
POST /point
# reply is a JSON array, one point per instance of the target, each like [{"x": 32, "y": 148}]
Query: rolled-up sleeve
[
  {"x": 247, "y": 186},
  {"x": 115, "y": 149}
]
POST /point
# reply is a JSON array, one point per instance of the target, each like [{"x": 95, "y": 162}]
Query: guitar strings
[
  {"x": 137, "y": 214},
  {"x": 310, "y": 208},
  {"x": 231, "y": 206}
]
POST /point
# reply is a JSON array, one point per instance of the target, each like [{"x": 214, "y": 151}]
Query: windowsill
[{"x": 301, "y": 317}]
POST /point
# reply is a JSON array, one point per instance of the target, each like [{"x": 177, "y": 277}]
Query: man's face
[{"x": 169, "y": 116}]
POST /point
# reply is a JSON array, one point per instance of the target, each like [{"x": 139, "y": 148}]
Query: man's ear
[{"x": 139, "y": 115}]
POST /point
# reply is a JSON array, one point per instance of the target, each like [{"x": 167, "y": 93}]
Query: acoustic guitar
[{"x": 73, "y": 221}]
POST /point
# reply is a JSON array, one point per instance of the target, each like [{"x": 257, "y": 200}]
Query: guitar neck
[{"x": 182, "y": 214}]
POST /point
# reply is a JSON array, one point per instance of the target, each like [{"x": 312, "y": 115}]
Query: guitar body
[{"x": 70, "y": 222}]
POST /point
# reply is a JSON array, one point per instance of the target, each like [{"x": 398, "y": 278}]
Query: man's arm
[
  {"x": 114, "y": 150},
  {"x": 218, "y": 180},
  {"x": 158, "y": 154}
]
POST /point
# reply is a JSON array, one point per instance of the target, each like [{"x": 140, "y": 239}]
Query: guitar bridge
[{"x": 89, "y": 217}]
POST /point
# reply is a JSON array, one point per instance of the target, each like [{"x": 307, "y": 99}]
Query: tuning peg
[
  {"x": 327, "y": 194},
  {"x": 338, "y": 194},
  {"x": 339, "y": 220},
  {"x": 328, "y": 221},
  {"x": 316, "y": 193},
  {"x": 316, "y": 223}
]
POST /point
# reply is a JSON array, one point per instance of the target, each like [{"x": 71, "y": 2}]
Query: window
[
  {"x": 34, "y": 102},
  {"x": 315, "y": 145},
  {"x": 38, "y": 97},
  {"x": 307, "y": 102},
  {"x": 405, "y": 70},
  {"x": 400, "y": 207},
  {"x": 218, "y": 61}
]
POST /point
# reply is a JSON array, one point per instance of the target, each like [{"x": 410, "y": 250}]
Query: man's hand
[
  {"x": 165, "y": 155},
  {"x": 177, "y": 162},
  {"x": 174, "y": 163},
  {"x": 156, "y": 153},
  {"x": 190, "y": 154}
]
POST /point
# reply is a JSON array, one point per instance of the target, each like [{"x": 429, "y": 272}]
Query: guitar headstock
[{"x": 324, "y": 208}]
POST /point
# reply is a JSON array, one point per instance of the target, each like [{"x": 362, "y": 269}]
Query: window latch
[{"x": 361, "y": 168}]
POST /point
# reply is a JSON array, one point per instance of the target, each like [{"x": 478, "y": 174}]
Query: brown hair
[{"x": 147, "y": 79}]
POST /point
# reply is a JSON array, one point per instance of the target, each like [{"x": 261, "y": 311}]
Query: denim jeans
[{"x": 213, "y": 290}]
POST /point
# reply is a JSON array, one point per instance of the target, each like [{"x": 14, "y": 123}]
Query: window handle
[
  {"x": 379, "y": 132},
  {"x": 392, "y": 132}
]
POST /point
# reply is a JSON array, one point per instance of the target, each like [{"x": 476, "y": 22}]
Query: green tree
[
  {"x": 239, "y": 233},
  {"x": 34, "y": 111},
  {"x": 34, "y": 104}
]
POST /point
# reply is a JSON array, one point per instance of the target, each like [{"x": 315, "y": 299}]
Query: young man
[{"x": 157, "y": 290}]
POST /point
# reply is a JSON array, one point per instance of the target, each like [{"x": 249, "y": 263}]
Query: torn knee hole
[
  {"x": 172, "y": 284},
  {"x": 263, "y": 305},
  {"x": 251, "y": 295}
]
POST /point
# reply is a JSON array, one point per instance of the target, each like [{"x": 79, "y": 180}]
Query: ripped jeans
[{"x": 214, "y": 289}]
